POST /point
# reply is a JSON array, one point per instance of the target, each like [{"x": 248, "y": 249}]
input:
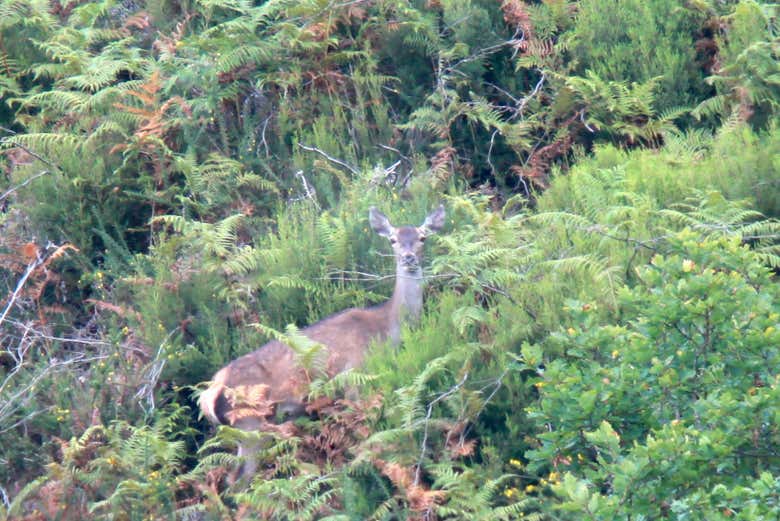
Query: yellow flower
[
  {"x": 571, "y": 331},
  {"x": 615, "y": 353},
  {"x": 688, "y": 265},
  {"x": 530, "y": 488},
  {"x": 516, "y": 463}
]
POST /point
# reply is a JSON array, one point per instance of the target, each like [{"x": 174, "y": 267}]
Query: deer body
[{"x": 272, "y": 368}]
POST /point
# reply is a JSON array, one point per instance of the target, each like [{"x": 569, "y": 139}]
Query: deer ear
[
  {"x": 435, "y": 220},
  {"x": 379, "y": 223}
]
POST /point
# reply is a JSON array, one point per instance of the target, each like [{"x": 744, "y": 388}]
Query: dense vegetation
[{"x": 601, "y": 337}]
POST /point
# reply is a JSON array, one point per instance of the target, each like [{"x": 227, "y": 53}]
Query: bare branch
[
  {"x": 19, "y": 285},
  {"x": 6, "y": 141},
  {"x": 308, "y": 189},
  {"x": 15, "y": 401},
  {"x": 533, "y": 93},
  {"x": 393, "y": 149},
  {"x": 330, "y": 158},
  {"x": 496, "y": 384},
  {"x": 146, "y": 392},
  {"x": 74, "y": 340},
  {"x": 427, "y": 419},
  {"x": 23, "y": 184},
  {"x": 490, "y": 153}
]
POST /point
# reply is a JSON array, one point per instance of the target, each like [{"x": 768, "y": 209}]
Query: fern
[
  {"x": 469, "y": 495},
  {"x": 622, "y": 109},
  {"x": 466, "y": 316},
  {"x": 309, "y": 355},
  {"x": 335, "y": 241},
  {"x": 291, "y": 282},
  {"x": 307, "y": 497},
  {"x": 349, "y": 379},
  {"x": 46, "y": 144},
  {"x": 217, "y": 241},
  {"x": 713, "y": 216}
]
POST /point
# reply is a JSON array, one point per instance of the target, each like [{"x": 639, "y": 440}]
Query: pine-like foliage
[
  {"x": 746, "y": 77},
  {"x": 182, "y": 181},
  {"x": 637, "y": 41}
]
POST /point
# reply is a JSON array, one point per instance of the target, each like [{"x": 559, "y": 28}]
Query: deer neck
[{"x": 406, "y": 302}]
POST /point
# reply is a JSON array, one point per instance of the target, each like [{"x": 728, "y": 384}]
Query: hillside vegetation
[{"x": 601, "y": 333}]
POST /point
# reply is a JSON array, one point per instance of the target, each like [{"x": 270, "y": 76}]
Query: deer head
[{"x": 407, "y": 241}]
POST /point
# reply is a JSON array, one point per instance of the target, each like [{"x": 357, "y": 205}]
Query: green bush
[
  {"x": 672, "y": 403},
  {"x": 599, "y": 335},
  {"x": 636, "y": 41}
]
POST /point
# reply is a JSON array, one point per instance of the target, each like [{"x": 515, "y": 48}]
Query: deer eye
[
  {"x": 393, "y": 240},
  {"x": 422, "y": 238}
]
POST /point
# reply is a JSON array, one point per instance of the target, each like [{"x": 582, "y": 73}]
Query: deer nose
[{"x": 409, "y": 258}]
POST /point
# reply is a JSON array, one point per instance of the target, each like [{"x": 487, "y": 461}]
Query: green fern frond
[
  {"x": 383, "y": 510},
  {"x": 345, "y": 380},
  {"x": 25, "y": 13},
  {"x": 385, "y": 438},
  {"x": 102, "y": 133},
  {"x": 291, "y": 282},
  {"x": 335, "y": 240},
  {"x": 464, "y": 317},
  {"x": 309, "y": 355},
  {"x": 594, "y": 266},
  {"x": 210, "y": 461},
  {"x": 256, "y": 182},
  {"x": 304, "y": 496},
  {"x": 713, "y": 106},
  {"x": 568, "y": 219},
  {"x": 244, "y": 55},
  {"x": 410, "y": 404},
  {"x": 46, "y": 144},
  {"x": 242, "y": 262},
  {"x": 61, "y": 101},
  {"x": 99, "y": 74}
]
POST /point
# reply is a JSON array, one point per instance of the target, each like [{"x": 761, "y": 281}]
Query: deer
[{"x": 272, "y": 380}]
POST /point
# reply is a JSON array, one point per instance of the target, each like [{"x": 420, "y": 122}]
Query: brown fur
[
  {"x": 346, "y": 336},
  {"x": 253, "y": 389}
]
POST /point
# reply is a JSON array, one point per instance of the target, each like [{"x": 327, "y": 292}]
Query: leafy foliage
[
  {"x": 690, "y": 361},
  {"x": 182, "y": 181}
]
